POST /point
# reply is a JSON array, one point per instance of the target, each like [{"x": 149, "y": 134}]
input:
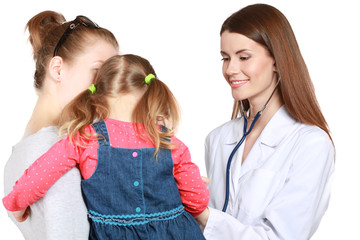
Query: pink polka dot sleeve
[
  {"x": 193, "y": 192},
  {"x": 42, "y": 174}
]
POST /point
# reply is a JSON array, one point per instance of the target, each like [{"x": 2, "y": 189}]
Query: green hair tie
[
  {"x": 92, "y": 89},
  {"x": 149, "y": 78}
]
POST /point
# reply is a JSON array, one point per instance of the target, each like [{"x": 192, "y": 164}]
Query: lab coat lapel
[
  {"x": 274, "y": 132},
  {"x": 235, "y": 133}
]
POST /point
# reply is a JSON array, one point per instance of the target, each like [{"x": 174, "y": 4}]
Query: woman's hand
[
  {"x": 22, "y": 215},
  {"x": 206, "y": 180}
]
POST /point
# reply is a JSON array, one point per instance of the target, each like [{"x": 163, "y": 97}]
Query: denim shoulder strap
[{"x": 101, "y": 129}]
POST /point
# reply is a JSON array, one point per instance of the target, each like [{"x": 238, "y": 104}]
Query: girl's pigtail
[
  {"x": 90, "y": 106},
  {"x": 87, "y": 108},
  {"x": 158, "y": 106}
]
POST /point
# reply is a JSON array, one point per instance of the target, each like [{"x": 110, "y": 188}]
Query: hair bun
[{"x": 40, "y": 25}]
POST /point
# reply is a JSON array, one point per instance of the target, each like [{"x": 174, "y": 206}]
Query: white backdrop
[{"x": 181, "y": 39}]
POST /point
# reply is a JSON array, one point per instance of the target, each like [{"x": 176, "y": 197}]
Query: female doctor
[{"x": 270, "y": 168}]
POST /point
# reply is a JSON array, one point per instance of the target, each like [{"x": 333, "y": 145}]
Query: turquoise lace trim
[{"x": 135, "y": 219}]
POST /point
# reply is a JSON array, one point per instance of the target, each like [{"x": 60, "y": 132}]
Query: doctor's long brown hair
[
  {"x": 123, "y": 74},
  {"x": 269, "y": 27}
]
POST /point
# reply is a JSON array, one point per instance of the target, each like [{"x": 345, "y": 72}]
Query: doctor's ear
[
  {"x": 55, "y": 66},
  {"x": 274, "y": 67}
]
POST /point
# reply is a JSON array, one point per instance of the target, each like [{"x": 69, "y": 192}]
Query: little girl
[{"x": 137, "y": 176}]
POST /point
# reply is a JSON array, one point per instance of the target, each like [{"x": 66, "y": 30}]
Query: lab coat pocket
[{"x": 257, "y": 189}]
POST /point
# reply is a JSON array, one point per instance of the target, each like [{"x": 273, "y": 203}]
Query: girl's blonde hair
[{"x": 123, "y": 74}]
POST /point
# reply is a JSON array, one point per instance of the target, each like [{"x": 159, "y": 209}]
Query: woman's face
[
  {"x": 248, "y": 68},
  {"x": 79, "y": 74}
]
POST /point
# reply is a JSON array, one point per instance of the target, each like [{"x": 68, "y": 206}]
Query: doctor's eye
[
  {"x": 225, "y": 59},
  {"x": 244, "y": 58}
]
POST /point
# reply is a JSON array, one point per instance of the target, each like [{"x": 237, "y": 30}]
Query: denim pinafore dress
[{"x": 133, "y": 196}]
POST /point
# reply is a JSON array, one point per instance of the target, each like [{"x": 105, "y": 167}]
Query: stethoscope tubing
[
  {"x": 245, "y": 133},
  {"x": 232, "y": 155}
]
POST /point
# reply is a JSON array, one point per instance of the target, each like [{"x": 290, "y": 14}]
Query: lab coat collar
[
  {"x": 234, "y": 133},
  {"x": 276, "y": 129}
]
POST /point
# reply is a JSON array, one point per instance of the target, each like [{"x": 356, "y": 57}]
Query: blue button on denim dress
[{"x": 131, "y": 195}]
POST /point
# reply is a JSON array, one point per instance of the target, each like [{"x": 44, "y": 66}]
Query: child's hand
[
  {"x": 22, "y": 215},
  {"x": 203, "y": 218}
]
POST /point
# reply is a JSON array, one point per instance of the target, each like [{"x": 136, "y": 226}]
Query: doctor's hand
[
  {"x": 22, "y": 215},
  {"x": 206, "y": 180}
]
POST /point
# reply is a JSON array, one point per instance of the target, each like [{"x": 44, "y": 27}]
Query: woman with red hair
[{"x": 270, "y": 166}]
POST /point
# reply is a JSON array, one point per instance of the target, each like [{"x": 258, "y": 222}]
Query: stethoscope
[{"x": 257, "y": 116}]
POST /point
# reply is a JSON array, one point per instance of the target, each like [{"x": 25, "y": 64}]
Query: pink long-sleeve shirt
[{"x": 65, "y": 154}]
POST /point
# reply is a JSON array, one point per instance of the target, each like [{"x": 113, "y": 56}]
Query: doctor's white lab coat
[{"x": 281, "y": 191}]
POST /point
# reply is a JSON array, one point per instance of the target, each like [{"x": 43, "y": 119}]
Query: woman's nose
[{"x": 233, "y": 67}]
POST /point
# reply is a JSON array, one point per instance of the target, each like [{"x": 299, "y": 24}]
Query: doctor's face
[{"x": 247, "y": 67}]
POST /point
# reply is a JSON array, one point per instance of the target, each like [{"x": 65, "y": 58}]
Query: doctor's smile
[
  {"x": 238, "y": 83},
  {"x": 256, "y": 162}
]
